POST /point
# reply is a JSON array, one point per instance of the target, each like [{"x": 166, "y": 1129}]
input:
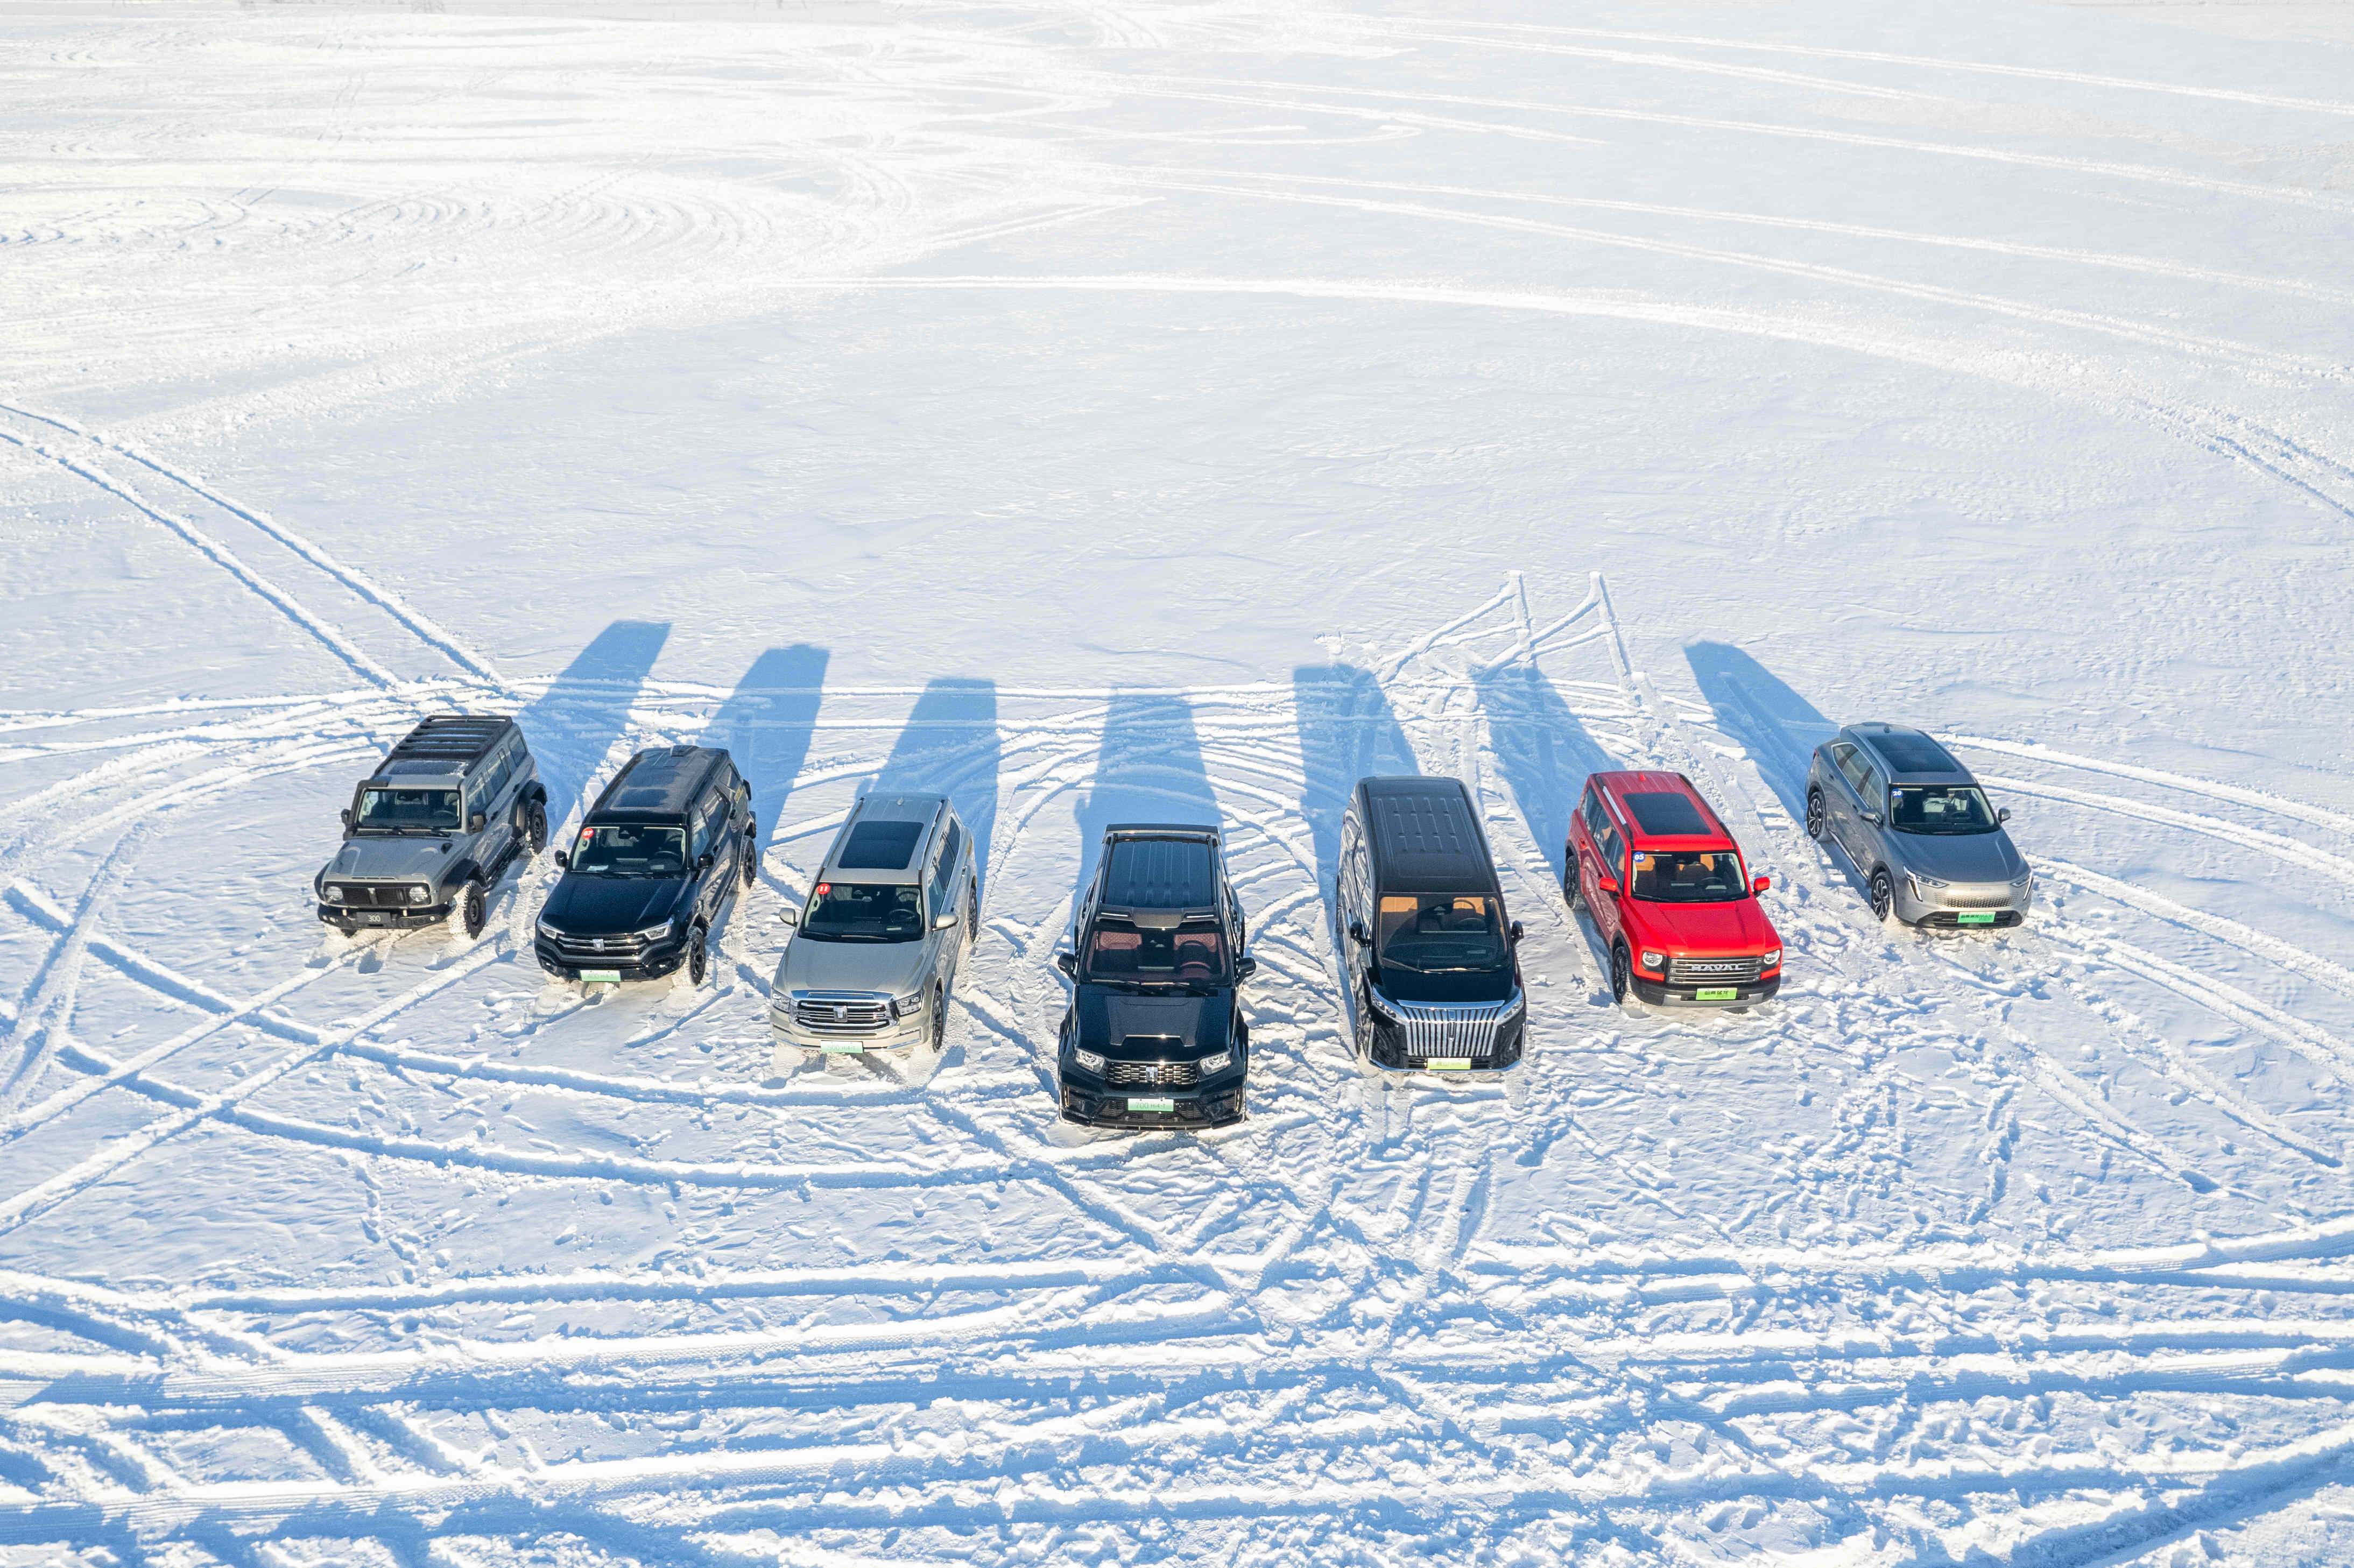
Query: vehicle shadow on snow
[
  {"x": 573, "y": 726},
  {"x": 1779, "y": 728},
  {"x": 1347, "y": 731},
  {"x": 768, "y": 723},
  {"x": 1545, "y": 755}
]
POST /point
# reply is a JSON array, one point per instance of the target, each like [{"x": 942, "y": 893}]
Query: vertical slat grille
[{"x": 1449, "y": 1033}]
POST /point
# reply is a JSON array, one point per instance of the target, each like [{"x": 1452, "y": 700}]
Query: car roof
[
  {"x": 1656, "y": 807},
  {"x": 884, "y": 839},
  {"x": 1425, "y": 837},
  {"x": 1910, "y": 755},
  {"x": 1165, "y": 868},
  {"x": 444, "y": 745},
  {"x": 660, "y": 781}
]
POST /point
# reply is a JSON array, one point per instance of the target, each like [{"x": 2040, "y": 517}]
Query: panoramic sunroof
[
  {"x": 881, "y": 846},
  {"x": 1916, "y": 754},
  {"x": 1663, "y": 813}
]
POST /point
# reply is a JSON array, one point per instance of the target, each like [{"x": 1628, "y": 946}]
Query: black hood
[
  {"x": 609, "y": 905},
  {"x": 1402, "y": 984},
  {"x": 1133, "y": 1026}
]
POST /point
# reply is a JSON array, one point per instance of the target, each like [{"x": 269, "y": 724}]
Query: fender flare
[
  {"x": 536, "y": 791},
  {"x": 465, "y": 871}
]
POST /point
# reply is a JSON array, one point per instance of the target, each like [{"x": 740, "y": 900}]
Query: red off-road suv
[{"x": 1667, "y": 890}]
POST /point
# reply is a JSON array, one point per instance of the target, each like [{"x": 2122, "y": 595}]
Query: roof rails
[{"x": 451, "y": 737}]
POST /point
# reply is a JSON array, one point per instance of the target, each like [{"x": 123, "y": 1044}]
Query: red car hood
[{"x": 1737, "y": 928}]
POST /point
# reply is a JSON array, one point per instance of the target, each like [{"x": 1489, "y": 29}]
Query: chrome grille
[
  {"x": 1449, "y": 1033},
  {"x": 1971, "y": 898},
  {"x": 378, "y": 895},
  {"x": 594, "y": 951},
  {"x": 1152, "y": 1075},
  {"x": 1683, "y": 970},
  {"x": 822, "y": 1014}
]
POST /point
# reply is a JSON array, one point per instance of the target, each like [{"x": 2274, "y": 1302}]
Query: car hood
[
  {"x": 1458, "y": 987},
  {"x": 1735, "y": 925},
  {"x": 1961, "y": 857},
  {"x": 1133, "y": 1027},
  {"x": 606, "y": 905},
  {"x": 391, "y": 859},
  {"x": 890, "y": 969}
]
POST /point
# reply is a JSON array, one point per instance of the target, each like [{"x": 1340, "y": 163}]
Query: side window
[
  {"x": 1875, "y": 790},
  {"x": 944, "y": 874},
  {"x": 1851, "y": 763},
  {"x": 1591, "y": 808},
  {"x": 1613, "y": 853},
  {"x": 706, "y": 824}
]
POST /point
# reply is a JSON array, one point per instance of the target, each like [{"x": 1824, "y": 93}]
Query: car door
[
  {"x": 1842, "y": 801},
  {"x": 705, "y": 820},
  {"x": 1612, "y": 864},
  {"x": 1351, "y": 900},
  {"x": 1872, "y": 801},
  {"x": 941, "y": 899},
  {"x": 486, "y": 797},
  {"x": 1588, "y": 836}
]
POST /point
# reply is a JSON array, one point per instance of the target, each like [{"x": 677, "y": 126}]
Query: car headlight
[
  {"x": 1920, "y": 882},
  {"x": 1092, "y": 1061},
  {"x": 331, "y": 894},
  {"x": 1771, "y": 958},
  {"x": 547, "y": 930},
  {"x": 1381, "y": 1007},
  {"x": 1213, "y": 1065},
  {"x": 1651, "y": 960},
  {"x": 420, "y": 894},
  {"x": 2024, "y": 878},
  {"x": 908, "y": 1006},
  {"x": 653, "y": 933}
]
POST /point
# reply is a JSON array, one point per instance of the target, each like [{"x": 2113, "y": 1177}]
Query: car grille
[
  {"x": 1449, "y": 1034},
  {"x": 378, "y": 895},
  {"x": 1972, "y": 897},
  {"x": 842, "y": 1014},
  {"x": 1683, "y": 970},
  {"x": 1152, "y": 1075},
  {"x": 594, "y": 951}
]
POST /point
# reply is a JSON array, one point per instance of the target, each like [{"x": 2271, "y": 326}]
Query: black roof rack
[
  {"x": 454, "y": 738},
  {"x": 1426, "y": 837},
  {"x": 659, "y": 781}
]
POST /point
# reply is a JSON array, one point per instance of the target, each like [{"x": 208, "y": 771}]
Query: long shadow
[
  {"x": 1542, "y": 751},
  {"x": 1347, "y": 732},
  {"x": 767, "y": 722},
  {"x": 572, "y": 727},
  {"x": 1780, "y": 728},
  {"x": 1149, "y": 768},
  {"x": 950, "y": 747}
]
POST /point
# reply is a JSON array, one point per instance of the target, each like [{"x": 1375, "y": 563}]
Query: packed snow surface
[{"x": 1122, "y": 408}]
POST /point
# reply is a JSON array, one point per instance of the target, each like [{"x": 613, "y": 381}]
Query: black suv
[
  {"x": 1155, "y": 1035},
  {"x": 657, "y": 862}
]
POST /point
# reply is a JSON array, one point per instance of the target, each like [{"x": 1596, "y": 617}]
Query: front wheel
[
  {"x": 972, "y": 915},
  {"x": 535, "y": 826},
  {"x": 1883, "y": 895},
  {"x": 698, "y": 957},
  {"x": 1815, "y": 814},
  {"x": 1569, "y": 881},
  {"x": 939, "y": 1019},
  {"x": 1622, "y": 973},
  {"x": 751, "y": 860},
  {"x": 474, "y": 909}
]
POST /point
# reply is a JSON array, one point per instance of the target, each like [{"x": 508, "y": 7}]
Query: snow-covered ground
[{"x": 1101, "y": 408}]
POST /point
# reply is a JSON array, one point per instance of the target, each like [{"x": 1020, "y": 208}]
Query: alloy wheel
[
  {"x": 940, "y": 1019},
  {"x": 1620, "y": 974},
  {"x": 697, "y": 958},
  {"x": 1814, "y": 813},
  {"x": 1883, "y": 895}
]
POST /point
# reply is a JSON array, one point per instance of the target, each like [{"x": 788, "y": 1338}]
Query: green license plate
[
  {"x": 842, "y": 1048},
  {"x": 1153, "y": 1105},
  {"x": 1981, "y": 917},
  {"x": 1717, "y": 994},
  {"x": 601, "y": 977},
  {"x": 1449, "y": 1063}
]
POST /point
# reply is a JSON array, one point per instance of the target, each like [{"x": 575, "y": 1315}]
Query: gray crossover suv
[
  {"x": 1916, "y": 825},
  {"x": 875, "y": 950},
  {"x": 430, "y": 832}
]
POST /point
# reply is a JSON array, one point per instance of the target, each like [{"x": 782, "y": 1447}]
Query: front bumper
[
  {"x": 1658, "y": 993},
  {"x": 658, "y": 959},
  {"x": 1205, "y": 1107},
  {"x": 904, "y": 1035},
  {"x": 1928, "y": 909},
  {"x": 373, "y": 917}
]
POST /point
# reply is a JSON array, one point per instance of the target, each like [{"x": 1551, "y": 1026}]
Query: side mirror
[
  {"x": 346, "y": 814},
  {"x": 1069, "y": 963},
  {"x": 942, "y": 922},
  {"x": 705, "y": 863},
  {"x": 1760, "y": 884},
  {"x": 1516, "y": 931},
  {"x": 1874, "y": 817},
  {"x": 1608, "y": 884},
  {"x": 1245, "y": 969},
  {"x": 563, "y": 861},
  {"x": 790, "y": 917},
  {"x": 474, "y": 823},
  {"x": 2001, "y": 816},
  {"x": 1359, "y": 935}
]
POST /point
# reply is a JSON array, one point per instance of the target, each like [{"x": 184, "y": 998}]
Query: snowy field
[{"x": 1109, "y": 409}]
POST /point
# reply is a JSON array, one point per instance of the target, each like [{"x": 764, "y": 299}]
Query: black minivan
[
  {"x": 1433, "y": 960},
  {"x": 1154, "y": 1035},
  {"x": 660, "y": 856}
]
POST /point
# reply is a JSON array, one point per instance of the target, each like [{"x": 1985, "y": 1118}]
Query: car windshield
[
  {"x": 630, "y": 849},
  {"x": 1689, "y": 876},
  {"x": 1192, "y": 953},
  {"x": 866, "y": 912},
  {"x": 1939, "y": 808},
  {"x": 401, "y": 811},
  {"x": 1441, "y": 931}
]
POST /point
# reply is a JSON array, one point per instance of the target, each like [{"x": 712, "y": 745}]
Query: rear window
[
  {"x": 881, "y": 846},
  {"x": 1667, "y": 813}
]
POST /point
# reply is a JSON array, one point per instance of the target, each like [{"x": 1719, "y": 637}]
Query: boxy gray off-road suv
[
  {"x": 1917, "y": 827},
  {"x": 875, "y": 953},
  {"x": 430, "y": 832}
]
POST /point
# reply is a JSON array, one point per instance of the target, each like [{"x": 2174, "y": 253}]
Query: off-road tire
[
  {"x": 535, "y": 826},
  {"x": 1622, "y": 974},
  {"x": 698, "y": 957},
  {"x": 473, "y": 908},
  {"x": 972, "y": 915},
  {"x": 1815, "y": 815},
  {"x": 1361, "y": 1031},
  {"x": 1883, "y": 893},
  {"x": 939, "y": 1036},
  {"x": 1569, "y": 882},
  {"x": 751, "y": 863}
]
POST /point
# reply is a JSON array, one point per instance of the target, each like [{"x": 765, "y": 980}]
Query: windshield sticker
[
  {"x": 1641, "y": 858},
  {"x": 823, "y": 888}
]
